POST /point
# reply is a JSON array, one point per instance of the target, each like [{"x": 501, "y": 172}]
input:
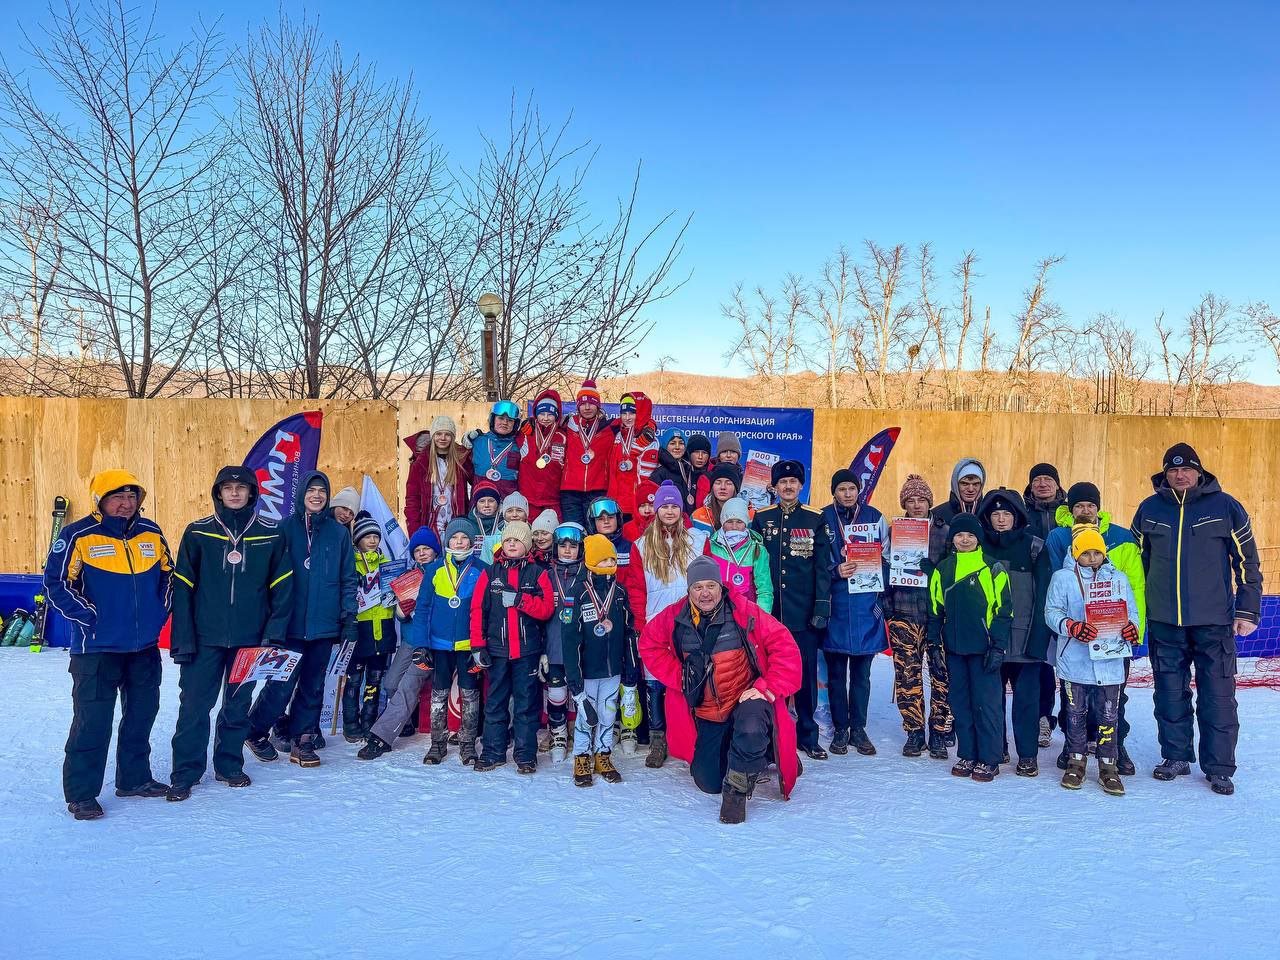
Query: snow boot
[
  {"x": 1073, "y": 779},
  {"x": 372, "y": 700},
  {"x": 152, "y": 788},
  {"x": 733, "y": 796},
  {"x": 559, "y": 744},
  {"x": 985, "y": 773},
  {"x": 439, "y": 728},
  {"x": 1028, "y": 767},
  {"x": 280, "y": 739},
  {"x": 351, "y": 731},
  {"x": 839, "y": 742},
  {"x": 951, "y": 738},
  {"x": 527, "y": 766},
  {"x": 657, "y": 750},
  {"x": 303, "y": 752},
  {"x": 938, "y": 746},
  {"x": 470, "y": 726},
  {"x": 438, "y": 750},
  {"x": 1124, "y": 765},
  {"x": 1170, "y": 769},
  {"x": 317, "y": 740},
  {"x": 262, "y": 748},
  {"x": 178, "y": 792},
  {"x": 582, "y": 770},
  {"x": 373, "y": 748},
  {"x": 1046, "y": 732},
  {"x": 815, "y": 752},
  {"x": 862, "y": 743},
  {"x": 1110, "y": 778},
  {"x": 1221, "y": 784},
  {"x": 914, "y": 745},
  {"x": 606, "y": 769},
  {"x": 1063, "y": 758},
  {"x": 240, "y": 779},
  {"x": 85, "y": 809},
  {"x": 963, "y": 768}
]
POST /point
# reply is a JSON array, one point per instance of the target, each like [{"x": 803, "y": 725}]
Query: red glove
[
  {"x": 1079, "y": 630},
  {"x": 1129, "y": 634}
]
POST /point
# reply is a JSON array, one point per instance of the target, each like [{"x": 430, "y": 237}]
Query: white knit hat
[
  {"x": 735, "y": 508},
  {"x": 516, "y": 499},
  {"x": 546, "y": 521},
  {"x": 444, "y": 424}
]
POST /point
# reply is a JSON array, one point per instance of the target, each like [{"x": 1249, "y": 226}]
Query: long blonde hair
[
  {"x": 452, "y": 460},
  {"x": 667, "y": 555}
]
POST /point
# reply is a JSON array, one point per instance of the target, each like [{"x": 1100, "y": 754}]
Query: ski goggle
[
  {"x": 506, "y": 408},
  {"x": 566, "y": 532},
  {"x": 602, "y": 506}
]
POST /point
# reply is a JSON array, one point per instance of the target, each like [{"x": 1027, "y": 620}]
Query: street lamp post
[{"x": 490, "y": 306}]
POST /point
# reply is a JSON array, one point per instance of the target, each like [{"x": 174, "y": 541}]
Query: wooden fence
[{"x": 54, "y": 446}]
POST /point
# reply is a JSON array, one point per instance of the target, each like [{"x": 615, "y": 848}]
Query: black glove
[
  {"x": 587, "y": 708},
  {"x": 481, "y": 659},
  {"x": 818, "y": 623},
  {"x": 421, "y": 658},
  {"x": 349, "y": 633},
  {"x": 994, "y": 660},
  {"x": 937, "y": 660},
  {"x": 181, "y": 657}
]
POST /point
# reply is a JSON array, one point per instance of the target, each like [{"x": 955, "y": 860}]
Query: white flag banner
[{"x": 395, "y": 545}]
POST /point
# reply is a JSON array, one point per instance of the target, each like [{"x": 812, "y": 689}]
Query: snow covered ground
[{"x": 873, "y": 857}]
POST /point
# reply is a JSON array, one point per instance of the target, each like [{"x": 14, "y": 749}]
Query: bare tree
[
  {"x": 1195, "y": 359},
  {"x": 831, "y": 303},
  {"x": 1043, "y": 343},
  {"x": 1121, "y": 352},
  {"x": 1264, "y": 326},
  {"x": 885, "y": 328},
  {"x": 949, "y": 332},
  {"x": 771, "y": 331}
]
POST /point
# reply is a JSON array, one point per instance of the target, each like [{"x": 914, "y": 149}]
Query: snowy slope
[{"x": 873, "y": 857}]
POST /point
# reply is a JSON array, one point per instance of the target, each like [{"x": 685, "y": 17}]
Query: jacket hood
[
  {"x": 1208, "y": 484},
  {"x": 644, "y": 409},
  {"x": 1004, "y": 497},
  {"x": 237, "y": 474},
  {"x": 1064, "y": 518},
  {"x": 308, "y": 479},
  {"x": 411, "y": 441},
  {"x": 963, "y": 468},
  {"x": 109, "y": 481}
]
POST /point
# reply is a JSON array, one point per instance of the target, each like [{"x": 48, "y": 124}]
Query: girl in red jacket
[
  {"x": 634, "y": 528},
  {"x": 439, "y": 478},
  {"x": 542, "y": 447}
]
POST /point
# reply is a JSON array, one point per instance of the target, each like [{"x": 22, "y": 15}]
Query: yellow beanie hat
[
  {"x": 1085, "y": 536},
  {"x": 597, "y": 550}
]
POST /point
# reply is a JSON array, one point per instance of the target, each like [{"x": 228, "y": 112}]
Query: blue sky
[{"x": 1138, "y": 140}]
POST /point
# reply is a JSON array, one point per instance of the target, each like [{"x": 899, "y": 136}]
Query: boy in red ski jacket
[
  {"x": 542, "y": 446},
  {"x": 586, "y": 462},
  {"x": 635, "y": 450}
]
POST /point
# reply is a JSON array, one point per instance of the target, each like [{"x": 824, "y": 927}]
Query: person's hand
[
  {"x": 470, "y": 437},
  {"x": 818, "y": 623},
  {"x": 509, "y": 598},
  {"x": 544, "y": 667},
  {"x": 480, "y": 660},
  {"x": 847, "y": 569},
  {"x": 586, "y": 708},
  {"x": 1129, "y": 634},
  {"x": 994, "y": 660},
  {"x": 421, "y": 658},
  {"x": 937, "y": 660},
  {"x": 1243, "y": 627},
  {"x": 1082, "y": 631},
  {"x": 751, "y": 693}
]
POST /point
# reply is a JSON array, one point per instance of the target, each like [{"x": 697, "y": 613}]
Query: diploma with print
[
  {"x": 263, "y": 663},
  {"x": 756, "y": 477},
  {"x": 406, "y": 587},
  {"x": 1109, "y": 618},
  {"x": 862, "y": 549}
]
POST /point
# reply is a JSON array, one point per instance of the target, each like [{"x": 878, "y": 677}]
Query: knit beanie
[
  {"x": 518, "y": 530},
  {"x": 588, "y": 391},
  {"x": 597, "y": 550},
  {"x": 671, "y": 434},
  {"x": 668, "y": 494},
  {"x": 546, "y": 405},
  {"x": 424, "y": 537},
  {"x": 646, "y": 489},
  {"x": 727, "y": 441},
  {"x": 915, "y": 486},
  {"x": 1085, "y": 536},
  {"x": 844, "y": 476},
  {"x": 546, "y": 521},
  {"x": 346, "y": 497},
  {"x": 515, "y": 499},
  {"x": 964, "y": 523},
  {"x": 444, "y": 424},
  {"x": 482, "y": 489},
  {"x": 703, "y": 568},
  {"x": 1181, "y": 455},
  {"x": 461, "y": 525},
  {"x": 735, "y": 508},
  {"x": 627, "y": 403},
  {"x": 1044, "y": 470},
  {"x": 727, "y": 471},
  {"x": 1083, "y": 492},
  {"x": 365, "y": 525},
  {"x": 699, "y": 441}
]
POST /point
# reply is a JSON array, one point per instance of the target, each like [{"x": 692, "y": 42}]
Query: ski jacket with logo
[
  {"x": 580, "y": 477},
  {"x": 586, "y": 655},
  {"x": 634, "y": 456},
  {"x": 439, "y": 624},
  {"x": 518, "y": 631},
  {"x": 1026, "y": 561},
  {"x": 493, "y": 454},
  {"x": 970, "y": 607},
  {"x": 1122, "y": 553},
  {"x": 541, "y": 485},
  {"x": 375, "y": 624}
]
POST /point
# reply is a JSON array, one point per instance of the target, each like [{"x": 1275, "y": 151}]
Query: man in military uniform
[{"x": 799, "y": 546}]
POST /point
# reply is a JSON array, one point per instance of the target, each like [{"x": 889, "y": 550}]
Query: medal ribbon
[
  {"x": 233, "y": 541},
  {"x": 602, "y": 610}
]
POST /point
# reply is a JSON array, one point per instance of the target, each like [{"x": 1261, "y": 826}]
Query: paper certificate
[
  {"x": 263, "y": 663},
  {"x": 862, "y": 549},
  {"x": 756, "y": 476},
  {"x": 908, "y": 548},
  {"x": 406, "y": 587},
  {"x": 1109, "y": 617}
]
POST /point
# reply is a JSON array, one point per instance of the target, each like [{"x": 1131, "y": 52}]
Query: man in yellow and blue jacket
[{"x": 109, "y": 574}]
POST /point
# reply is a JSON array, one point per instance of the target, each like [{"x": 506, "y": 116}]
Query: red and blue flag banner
[
  {"x": 279, "y": 460},
  {"x": 870, "y": 461}
]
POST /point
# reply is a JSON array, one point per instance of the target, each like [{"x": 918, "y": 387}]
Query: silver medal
[
  {"x": 587, "y": 457},
  {"x": 234, "y": 557},
  {"x": 455, "y": 602}
]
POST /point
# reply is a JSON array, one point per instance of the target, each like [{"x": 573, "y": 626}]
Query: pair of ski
[{"x": 40, "y": 611}]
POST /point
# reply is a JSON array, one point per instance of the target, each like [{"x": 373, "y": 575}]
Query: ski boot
[
  {"x": 372, "y": 700},
  {"x": 85, "y": 809},
  {"x": 733, "y": 796},
  {"x": 963, "y": 768},
  {"x": 303, "y": 752},
  {"x": 629, "y": 713},
  {"x": 1073, "y": 779},
  {"x": 914, "y": 745},
  {"x": 1124, "y": 765},
  {"x": 985, "y": 773},
  {"x": 862, "y": 743},
  {"x": 1028, "y": 767},
  {"x": 938, "y": 746},
  {"x": 1170, "y": 769},
  {"x": 470, "y": 705},
  {"x": 606, "y": 769},
  {"x": 1109, "y": 777},
  {"x": 1046, "y": 734},
  {"x": 559, "y": 744},
  {"x": 373, "y": 748},
  {"x": 1221, "y": 784},
  {"x": 582, "y": 770},
  {"x": 657, "y": 751},
  {"x": 839, "y": 742},
  {"x": 262, "y": 748},
  {"x": 240, "y": 779}
]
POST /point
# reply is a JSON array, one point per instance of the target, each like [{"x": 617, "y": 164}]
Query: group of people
[{"x": 592, "y": 570}]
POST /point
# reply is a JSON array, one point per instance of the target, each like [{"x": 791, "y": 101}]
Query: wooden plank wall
[{"x": 55, "y": 446}]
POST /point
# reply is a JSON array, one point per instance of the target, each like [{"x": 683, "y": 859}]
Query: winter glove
[
  {"x": 937, "y": 660},
  {"x": 1082, "y": 631},
  {"x": 348, "y": 633},
  {"x": 586, "y": 708},
  {"x": 818, "y": 623},
  {"x": 1129, "y": 634},
  {"x": 181, "y": 657},
  {"x": 480, "y": 660},
  {"x": 544, "y": 668},
  {"x": 470, "y": 437},
  {"x": 994, "y": 660},
  {"x": 421, "y": 658},
  {"x": 509, "y": 598}
]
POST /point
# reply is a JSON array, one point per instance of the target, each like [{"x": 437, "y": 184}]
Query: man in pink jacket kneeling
[{"x": 728, "y": 667}]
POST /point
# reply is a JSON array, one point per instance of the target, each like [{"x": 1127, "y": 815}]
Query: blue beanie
[
  {"x": 669, "y": 435},
  {"x": 424, "y": 537}
]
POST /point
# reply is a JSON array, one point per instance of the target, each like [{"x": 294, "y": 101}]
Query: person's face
[
  {"x": 369, "y": 542},
  {"x": 734, "y": 524},
  {"x": 628, "y": 418},
  {"x": 705, "y": 594},
  {"x": 234, "y": 494},
  {"x": 514, "y": 514},
  {"x": 607, "y": 523},
  {"x": 503, "y": 425},
  {"x": 423, "y": 554},
  {"x": 546, "y": 419},
  {"x": 459, "y": 542},
  {"x": 443, "y": 440},
  {"x": 587, "y": 409},
  {"x": 846, "y": 494},
  {"x": 723, "y": 489},
  {"x": 645, "y": 509},
  {"x": 343, "y": 515},
  {"x": 1092, "y": 559},
  {"x": 607, "y": 566},
  {"x": 1085, "y": 512},
  {"x": 122, "y": 504},
  {"x": 970, "y": 489},
  {"x": 917, "y": 507},
  {"x": 965, "y": 542},
  {"x": 729, "y": 456},
  {"x": 487, "y": 507},
  {"x": 788, "y": 489},
  {"x": 1182, "y": 478},
  {"x": 542, "y": 539},
  {"x": 669, "y": 515},
  {"x": 315, "y": 499},
  {"x": 514, "y": 549},
  {"x": 567, "y": 551},
  {"x": 1044, "y": 487},
  {"x": 1001, "y": 521},
  {"x": 675, "y": 447},
  {"x": 699, "y": 458}
]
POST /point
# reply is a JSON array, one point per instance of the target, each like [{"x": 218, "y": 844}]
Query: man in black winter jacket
[
  {"x": 233, "y": 588},
  {"x": 1204, "y": 589}
]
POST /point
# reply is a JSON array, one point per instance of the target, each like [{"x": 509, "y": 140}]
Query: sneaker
[
  {"x": 582, "y": 767},
  {"x": 373, "y": 748},
  {"x": 839, "y": 743},
  {"x": 985, "y": 773},
  {"x": 1073, "y": 779},
  {"x": 85, "y": 809},
  {"x": 815, "y": 753},
  {"x": 527, "y": 767},
  {"x": 963, "y": 768},
  {"x": 1124, "y": 765},
  {"x": 438, "y": 751},
  {"x": 1110, "y": 779},
  {"x": 177, "y": 793},
  {"x": 938, "y": 746},
  {"x": 914, "y": 745},
  {"x": 261, "y": 748},
  {"x": 862, "y": 743},
  {"x": 240, "y": 779},
  {"x": 1169, "y": 769},
  {"x": 606, "y": 769},
  {"x": 1046, "y": 732},
  {"x": 353, "y": 736},
  {"x": 1028, "y": 767},
  {"x": 152, "y": 788},
  {"x": 481, "y": 765},
  {"x": 303, "y": 752},
  {"x": 1221, "y": 784}
]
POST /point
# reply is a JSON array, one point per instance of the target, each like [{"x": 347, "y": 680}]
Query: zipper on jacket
[
  {"x": 1177, "y": 577},
  {"x": 133, "y": 583}
]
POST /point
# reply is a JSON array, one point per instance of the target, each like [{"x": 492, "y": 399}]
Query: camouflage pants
[{"x": 907, "y": 640}]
